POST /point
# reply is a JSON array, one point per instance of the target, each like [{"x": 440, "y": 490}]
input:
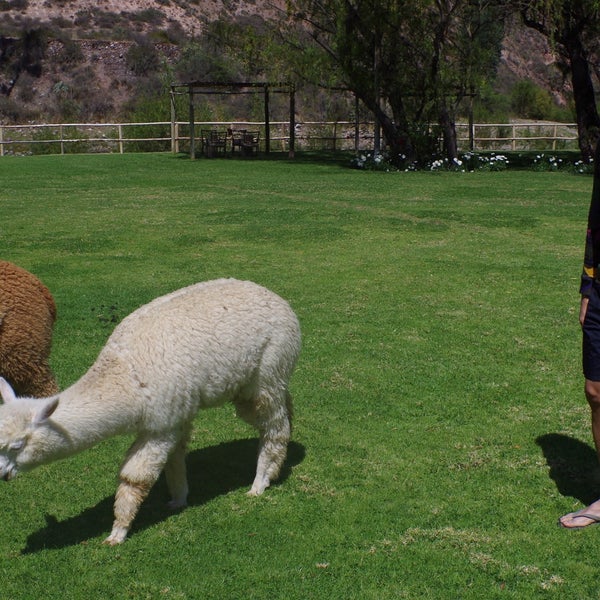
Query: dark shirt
[{"x": 591, "y": 260}]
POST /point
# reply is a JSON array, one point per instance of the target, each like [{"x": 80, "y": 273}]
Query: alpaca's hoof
[
  {"x": 258, "y": 487},
  {"x": 117, "y": 536},
  {"x": 176, "y": 504}
]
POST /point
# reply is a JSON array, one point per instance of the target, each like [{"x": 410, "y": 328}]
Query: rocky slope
[
  {"x": 85, "y": 63},
  {"x": 91, "y": 18}
]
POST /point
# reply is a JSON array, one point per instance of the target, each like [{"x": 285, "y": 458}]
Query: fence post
[
  {"x": 62, "y": 139},
  {"x": 514, "y": 138},
  {"x": 554, "y": 140},
  {"x": 120, "y": 134},
  {"x": 1, "y": 140}
]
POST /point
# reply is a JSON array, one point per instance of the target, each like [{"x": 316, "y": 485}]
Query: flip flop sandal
[{"x": 594, "y": 518}]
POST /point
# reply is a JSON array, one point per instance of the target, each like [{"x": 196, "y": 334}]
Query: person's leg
[
  {"x": 592, "y": 394},
  {"x": 590, "y": 322}
]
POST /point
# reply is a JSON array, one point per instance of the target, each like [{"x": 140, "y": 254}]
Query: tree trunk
[
  {"x": 18, "y": 56},
  {"x": 569, "y": 37},
  {"x": 449, "y": 135},
  {"x": 396, "y": 131},
  {"x": 588, "y": 121},
  {"x": 399, "y": 142}
]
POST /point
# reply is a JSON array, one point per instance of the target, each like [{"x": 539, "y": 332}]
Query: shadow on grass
[
  {"x": 212, "y": 472},
  {"x": 342, "y": 158},
  {"x": 573, "y": 466}
]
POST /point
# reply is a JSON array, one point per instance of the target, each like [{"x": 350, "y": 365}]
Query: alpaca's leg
[
  {"x": 175, "y": 472},
  {"x": 274, "y": 423},
  {"x": 141, "y": 468}
]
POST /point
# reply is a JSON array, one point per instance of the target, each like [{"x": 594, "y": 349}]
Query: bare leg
[
  {"x": 592, "y": 394},
  {"x": 141, "y": 468},
  {"x": 590, "y": 514}
]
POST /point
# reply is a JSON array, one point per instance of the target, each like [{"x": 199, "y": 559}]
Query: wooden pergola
[{"x": 194, "y": 88}]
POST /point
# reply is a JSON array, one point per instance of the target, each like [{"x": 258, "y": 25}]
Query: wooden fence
[
  {"x": 330, "y": 136},
  {"x": 542, "y": 136}
]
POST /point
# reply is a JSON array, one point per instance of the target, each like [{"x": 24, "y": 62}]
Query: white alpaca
[{"x": 198, "y": 347}]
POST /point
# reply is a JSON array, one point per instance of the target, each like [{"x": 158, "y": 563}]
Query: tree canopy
[
  {"x": 410, "y": 63},
  {"x": 573, "y": 27}
]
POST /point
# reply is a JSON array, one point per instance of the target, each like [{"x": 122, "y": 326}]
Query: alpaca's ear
[
  {"x": 45, "y": 411},
  {"x": 7, "y": 393}
]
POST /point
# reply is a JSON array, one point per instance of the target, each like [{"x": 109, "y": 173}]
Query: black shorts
[{"x": 591, "y": 337}]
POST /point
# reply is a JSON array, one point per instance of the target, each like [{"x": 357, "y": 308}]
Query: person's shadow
[
  {"x": 573, "y": 466},
  {"x": 212, "y": 472}
]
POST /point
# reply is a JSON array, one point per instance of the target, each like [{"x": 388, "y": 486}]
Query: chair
[
  {"x": 237, "y": 138},
  {"x": 213, "y": 142},
  {"x": 250, "y": 142}
]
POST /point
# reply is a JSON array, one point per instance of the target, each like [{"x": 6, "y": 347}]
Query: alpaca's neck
[
  {"x": 90, "y": 411},
  {"x": 52, "y": 441}
]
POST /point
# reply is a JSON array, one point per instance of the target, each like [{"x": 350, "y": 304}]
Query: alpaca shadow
[
  {"x": 573, "y": 466},
  {"x": 212, "y": 472}
]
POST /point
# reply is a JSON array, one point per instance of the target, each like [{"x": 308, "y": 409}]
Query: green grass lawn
[{"x": 440, "y": 422}]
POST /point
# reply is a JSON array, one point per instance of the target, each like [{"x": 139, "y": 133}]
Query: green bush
[
  {"x": 490, "y": 106},
  {"x": 202, "y": 62},
  {"x": 13, "y": 111},
  {"x": 70, "y": 54},
  {"x": 531, "y": 101},
  {"x": 142, "y": 58}
]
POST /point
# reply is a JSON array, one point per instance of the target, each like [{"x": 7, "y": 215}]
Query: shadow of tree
[
  {"x": 573, "y": 466},
  {"x": 212, "y": 472}
]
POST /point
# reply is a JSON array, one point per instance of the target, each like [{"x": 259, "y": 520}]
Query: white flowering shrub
[
  {"x": 497, "y": 162},
  {"x": 443, "y": 164},
  {"x": 550, "y": 163},
  {"x": 546, "y": 163},
  {"x": 372, "y": 161},
  {"x": 472, "y": 161},
  {"x": 583, "y": 168}
]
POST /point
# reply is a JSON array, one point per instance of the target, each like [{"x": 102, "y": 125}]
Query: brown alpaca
[{"x": 27, "y": 314}]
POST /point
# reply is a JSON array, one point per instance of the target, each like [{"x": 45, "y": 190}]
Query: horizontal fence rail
[
  {"x": 333, "y": 136},
  {"x": 82, "y": 137},
  {"x": 517, "y": 136}
]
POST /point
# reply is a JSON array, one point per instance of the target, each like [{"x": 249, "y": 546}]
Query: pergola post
[
  {"x": 192, "y": 132},
  {"x": 356, "y": 124},
  {"x": 292, "y": 148},
  {"x": 267, "y": 121},
  {"x": 174, "y": 135}
]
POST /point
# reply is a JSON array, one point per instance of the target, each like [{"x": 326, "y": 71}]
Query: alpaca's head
[{"x": 19, "y": 418}]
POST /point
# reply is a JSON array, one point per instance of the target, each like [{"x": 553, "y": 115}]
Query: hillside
[
  {"x": 85, "y": 19},
  {"x": 85, "y": 74}
]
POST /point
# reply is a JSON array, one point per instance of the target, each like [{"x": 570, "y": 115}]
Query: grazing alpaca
[
  {"x": 27, "y": 314},
  {"x": 199, "y": 347}
]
